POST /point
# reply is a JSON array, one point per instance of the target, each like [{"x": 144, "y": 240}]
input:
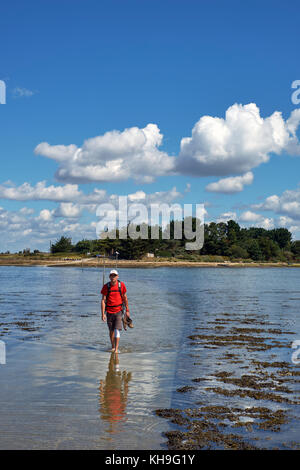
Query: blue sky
[{"x": 98, "y": 77}]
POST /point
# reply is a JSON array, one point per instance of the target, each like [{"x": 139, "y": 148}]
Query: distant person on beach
[{"x": 113, "y": 298}]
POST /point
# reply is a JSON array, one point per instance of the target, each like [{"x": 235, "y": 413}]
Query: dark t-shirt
[{"x": 114, "y": 301}]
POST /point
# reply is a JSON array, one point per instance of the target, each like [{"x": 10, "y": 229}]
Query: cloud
[
  {"x": 238, "y": 143},
  {"x": 287, "y": 222},
  {"x": 139, "y": 196},
  {"x": 60, "y": 153},
  {"x": 266, "y": 223},
  {"x": 42, "y": 192},
  {"x": 231, "y": 185},
  {"x": 286, "y": 207},
  {"x": 114, "y": 156},
  {"x": 188, "y": 188},
  {"x": 19, "y": 229},
  {"x": 137, "y": 203},
  {"x": 68, "y": 210},
  {"x": 227, "y": 146},
  {"x": 45, "y": 215},
  {"x": 226, "y": 216},
  {"x": 73, "y": 201},
  {"x": 250, "y": 216},
  {"x": 288, "y": 204},
  {"x": 165, "y": 197},
  {"x": 283, "y": 221},
  {"x": 256, "y": 220},
  {"x": 292, "y": 125},
  {"x": 19, "y": 92},
  {"x": 26, "y": 211}
]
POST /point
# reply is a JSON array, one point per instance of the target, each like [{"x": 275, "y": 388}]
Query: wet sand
[
  {"x": 61, "y": 388},
  {"x": 222, "y": 377},
  {"x": 259, "y": 396}
]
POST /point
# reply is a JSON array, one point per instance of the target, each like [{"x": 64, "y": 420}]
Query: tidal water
[{"x": 60, "y": 388}]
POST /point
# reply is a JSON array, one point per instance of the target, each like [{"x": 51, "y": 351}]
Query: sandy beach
[{"x": 157, "y": 263}]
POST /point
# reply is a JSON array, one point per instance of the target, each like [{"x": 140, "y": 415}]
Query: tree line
[{"x": 227, "y": 240}]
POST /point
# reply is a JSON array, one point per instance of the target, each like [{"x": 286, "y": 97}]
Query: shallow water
[{"x": 62, "y": 389}]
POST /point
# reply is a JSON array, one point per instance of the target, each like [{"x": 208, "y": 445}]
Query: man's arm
[
  {"x": 103, "y": 307},
  {"x": 126, "y": 304}
]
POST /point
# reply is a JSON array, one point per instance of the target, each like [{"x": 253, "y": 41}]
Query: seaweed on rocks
[{"x": 265, "y": 395}]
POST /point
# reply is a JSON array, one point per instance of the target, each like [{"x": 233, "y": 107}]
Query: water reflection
[{"x": 113, "y": 395}]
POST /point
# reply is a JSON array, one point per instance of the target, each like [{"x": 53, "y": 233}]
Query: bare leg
[
  {"x": 112, "y": 339},
  {"x": 117, "y": 340}
]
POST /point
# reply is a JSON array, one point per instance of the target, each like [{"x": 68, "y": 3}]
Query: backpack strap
[
  {"x": 123, "y": 303},
  {"x": 120, "y": 290},
  {"x": 109, "y": 290},
  {"x": 109, "y": 287}
]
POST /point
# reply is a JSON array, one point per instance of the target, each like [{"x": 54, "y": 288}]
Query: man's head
[{"x": 113, "y": 275}]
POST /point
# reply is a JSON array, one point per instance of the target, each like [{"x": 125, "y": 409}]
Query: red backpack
[{"x": 108, "y": 292}]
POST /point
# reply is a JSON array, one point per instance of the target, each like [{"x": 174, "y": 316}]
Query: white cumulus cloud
[
  {"x": 256, "y": 220},
  {"x": 45, "y": 215},
  {"x": 249, "y": 216},
  {"x": 68, "y": 210},
  {"x": 288, "y": 204},
  {"x": 42, "y": 192},
  {"x": 114, "y": 156},
  {"x": 266, "y": 223},
  {"x": 231, "y": 185},
  {"x": 238, "y": 143},
  {"x": 226, "y": 216},
  {"x": 228, "y": 146}
]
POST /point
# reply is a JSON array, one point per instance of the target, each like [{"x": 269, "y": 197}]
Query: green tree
[
  {"x": 63, "y": 245},
  {"x": 233, "y": 231},
  {"x": 254, "y": 250},
  {"x": 236, "y": 251},
  {"x": 269, "y": 248},
  {"x": 281, "y": 236},
  {"x": 83, "y": 246},
  {"x": 295, "y": 248}
]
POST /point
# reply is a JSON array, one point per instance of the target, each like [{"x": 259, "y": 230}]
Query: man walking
[{"x": 113, "y": 298}]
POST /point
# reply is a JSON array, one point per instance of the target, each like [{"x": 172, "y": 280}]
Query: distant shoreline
[{"x": 92, "y": 262}]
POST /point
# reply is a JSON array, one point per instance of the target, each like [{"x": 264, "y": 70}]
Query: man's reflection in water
[{"x": 113, "y": 394}]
